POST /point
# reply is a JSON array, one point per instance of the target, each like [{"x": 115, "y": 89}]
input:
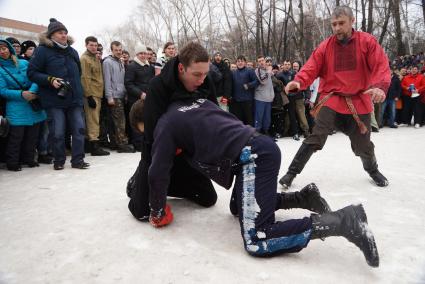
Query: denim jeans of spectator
[
  {"x": 263, "y": 116},
  {"x": 43, "y": 146},
  {"x": 388, "y": 104},
  {"x": 57, "y": 118}
]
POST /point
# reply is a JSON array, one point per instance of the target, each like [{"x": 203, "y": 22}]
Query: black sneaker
[
  {"x": 32, "y": 164},
  {"x": 14, "y": 167},
  {"x": 126, "y": 149},
  {"x": 58, "y": 167},
  {"x": 45, "y": 159},
  {"x": 82, "y": 166}
]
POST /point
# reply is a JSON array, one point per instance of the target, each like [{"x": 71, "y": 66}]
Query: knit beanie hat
[
  {"x": 13, "y": 40},
  {"x": 140, "y": 48},
  {"x": 55, "y": 26},
  {"x": 27, "y": 44}
]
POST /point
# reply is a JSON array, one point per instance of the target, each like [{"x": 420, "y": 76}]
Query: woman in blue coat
[{"x": 22, "y": 110}]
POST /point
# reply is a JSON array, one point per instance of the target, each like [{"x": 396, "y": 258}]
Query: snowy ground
[{"x": 73, "y": 226}]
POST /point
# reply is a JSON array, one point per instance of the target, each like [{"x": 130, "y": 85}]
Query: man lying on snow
[{"x": 229, "y": 149}]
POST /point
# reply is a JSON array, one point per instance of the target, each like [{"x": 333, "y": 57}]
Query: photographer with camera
[
  {"x": 55, "y": 67},
  {"x": 22, "y": 110}
]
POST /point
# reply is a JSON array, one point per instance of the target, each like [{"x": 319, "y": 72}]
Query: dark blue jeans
[
  {"x": 390, "y": 104},
  {"x": 263, "y": 115},
  {"x": 57, "y": 118}
]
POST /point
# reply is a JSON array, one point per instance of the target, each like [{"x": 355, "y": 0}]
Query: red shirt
[
  {"x": 350, "y": 68},
  {"x": 417, "y": 80}
]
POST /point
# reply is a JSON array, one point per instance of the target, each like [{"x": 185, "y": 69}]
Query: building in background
[{"x": 21, "y": 30}]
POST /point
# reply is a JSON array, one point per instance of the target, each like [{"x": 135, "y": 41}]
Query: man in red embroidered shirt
[{"x": 354, "y": 73}]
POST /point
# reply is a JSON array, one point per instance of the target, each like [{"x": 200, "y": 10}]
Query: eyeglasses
[{"x": 16, "y": 45}]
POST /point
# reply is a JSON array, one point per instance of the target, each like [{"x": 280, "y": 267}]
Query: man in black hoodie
[{"x": 186, "y": 182}]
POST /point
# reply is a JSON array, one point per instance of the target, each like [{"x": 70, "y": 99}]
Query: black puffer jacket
[
  {"x": 137, "y": 79},
  {"x": 394, "y": 90},
  {"x": 223, "y": 79}
]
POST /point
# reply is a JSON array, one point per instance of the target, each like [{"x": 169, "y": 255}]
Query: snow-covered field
[{"x": 73, "y": 226}]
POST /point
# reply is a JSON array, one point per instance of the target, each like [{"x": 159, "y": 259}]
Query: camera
[{"x": 64, "y": 89}]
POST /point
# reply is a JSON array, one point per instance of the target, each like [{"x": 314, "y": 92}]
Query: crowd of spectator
[{"x": 54, "y": 102}]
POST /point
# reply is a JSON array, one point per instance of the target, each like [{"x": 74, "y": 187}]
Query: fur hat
[
  {"x": 27, "y": 44},
  {"x": 55, "y": 26}
]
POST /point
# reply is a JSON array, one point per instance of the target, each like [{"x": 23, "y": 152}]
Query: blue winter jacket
[
  {"x": 51, "y": 60},
  {"x": 240, "y": 77},
  {"x": 18, "y": 110}
]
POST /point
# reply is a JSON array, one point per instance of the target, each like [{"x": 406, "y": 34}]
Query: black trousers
[
  {"x": 409, "y": 106},
  {"x": 420, "y": 113},
  {"x": 185, "y": 182},
  {"x": 21, "y": 144},
  {"x": 244, "y": 111},
  {"x": 328, "y": 120}
]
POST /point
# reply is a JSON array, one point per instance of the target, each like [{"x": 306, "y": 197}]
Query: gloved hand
[
  {"x": 161, "y": 218},
  {"x": 91, "y": 101}
]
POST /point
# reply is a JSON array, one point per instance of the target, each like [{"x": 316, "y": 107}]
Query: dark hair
[
  {"x": 90, "y": 38},
  {"x": 137, "y": 114},
  {"x": 260, "y": 56},
  {"x": 241, "y": 57},
  {"x": 297, "y": 61},
  {"x": 125, "y": 52},
  {"x": 100, "y": 47},
  {"x": 167, "y": 45},
  {"x": 115, "y": 43},
  {"x": 149, "y": 49},
  {"x": 193, "y": 52}
]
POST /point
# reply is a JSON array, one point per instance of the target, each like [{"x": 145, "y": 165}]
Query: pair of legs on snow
[
  {"x": 326, "y": 122},
  {"x": 255, "y": 201}
]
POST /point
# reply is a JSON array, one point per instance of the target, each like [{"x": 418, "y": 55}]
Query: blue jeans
[
  {"x": 57, "y": 118},
  {"x": 263, "y": 115},
  {"x": 256, "y": 197},
  {"x": 43, "y": 146},
  {"x": 390, "y": 104}
]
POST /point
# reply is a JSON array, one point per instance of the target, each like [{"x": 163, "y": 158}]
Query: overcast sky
[{"x": 81, "y": 17}]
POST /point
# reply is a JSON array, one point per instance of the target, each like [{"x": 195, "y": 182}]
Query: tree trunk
[
  {"x": 399, "y": 37},
  {"x": 301, "y": 31},
  {"x": 370, "y": 17},
  {"x": 285, "y": 35},
  {"x": 363, "y": 15},
  {"x": 423, "y": 10},
  {"x": 257, "y": 24},
  {"x": 387, "y": 18}
]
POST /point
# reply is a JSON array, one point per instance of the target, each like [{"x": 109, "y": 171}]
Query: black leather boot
[
  {"x": 301, "y": 158},
  {"x": 371, "y": 167},
  {"x": 308, "y": 198},
  {"x": 96, "y": 150},
  {"x": 351, "y": 223}
]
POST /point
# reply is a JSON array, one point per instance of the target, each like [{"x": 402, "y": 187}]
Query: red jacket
[
  {"x": 350, "y": 69},
  {"x": 417, "y": 80}
]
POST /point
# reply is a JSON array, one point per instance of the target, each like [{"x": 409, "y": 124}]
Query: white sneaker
[
  {"x": 402, "y": 124},
  {"x": 417, "y": 126}
]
